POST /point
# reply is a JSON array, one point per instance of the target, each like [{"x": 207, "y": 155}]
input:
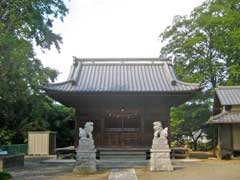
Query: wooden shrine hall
[{"x": 123, "y": 97}]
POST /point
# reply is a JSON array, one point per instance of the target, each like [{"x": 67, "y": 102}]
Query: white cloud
[{"x": 113, "y": 28}]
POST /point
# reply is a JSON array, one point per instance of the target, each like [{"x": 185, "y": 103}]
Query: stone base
[
  {"x": 85, "y": 162},
  {"x": 160, "y": 143},
  {"x": 160, "y": 160},
  {"x": 85, "y": 167},
  {"x": 85, "y": 157}
]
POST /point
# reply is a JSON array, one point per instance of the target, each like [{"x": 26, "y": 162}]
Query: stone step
[
  {"x": 126, "y": 158},
  {"x": 123, "y": 149},
  {"x": 109, "y": 164},
  {"x": 122, "y": 153},
  {"x": 119, "y": 155}
]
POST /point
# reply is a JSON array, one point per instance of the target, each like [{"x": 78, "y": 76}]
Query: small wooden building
[
  {"x": 41, "y": 143},
  {"x": 227, "y": 120},
  {"x": 123, "y": 97}
]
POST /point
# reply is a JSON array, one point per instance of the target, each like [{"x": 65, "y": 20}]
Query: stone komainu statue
[
  {"x": 159, "y": 131},
  {"x": 87, "y": 131}
]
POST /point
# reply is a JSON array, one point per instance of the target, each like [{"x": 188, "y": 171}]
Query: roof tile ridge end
[
  {"x": 221, "y": 114},
  {"x": 59, "y": 83},
  {"x": 170, "y": 76},
  {"x": 76, "y": 73},
  {"x": 174, "y": 77}
]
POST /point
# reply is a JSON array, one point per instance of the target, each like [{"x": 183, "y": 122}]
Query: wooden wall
[
  {"x": 225, "y": 136},
  {"x": 147, "y": 112},
  {"x": 236, "y": 137}
]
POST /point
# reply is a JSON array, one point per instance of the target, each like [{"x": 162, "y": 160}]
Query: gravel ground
[
  {"x": 203, "y": 170},
  {"x": 34, "y": 169},
  {"x": 192, "y": 170}
]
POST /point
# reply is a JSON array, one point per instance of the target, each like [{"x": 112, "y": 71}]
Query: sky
[{"x": 112, "y": 28}]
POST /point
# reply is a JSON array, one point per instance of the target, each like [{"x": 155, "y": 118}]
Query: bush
[{"x": 5, "y": 176}]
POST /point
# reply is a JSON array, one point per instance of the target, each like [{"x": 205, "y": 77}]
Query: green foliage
[
  {"x": 21, "y": 78},
  {"x": 205, "y": 47},
  {"x": 6, "y": 136},
  {"x": 23, "y": 105},
  {"x": 61, "y": 120},
  {"x": 5, "y": 176},
  {"x": 32, "y": 20},
  {"x": 187, "y": 119}
]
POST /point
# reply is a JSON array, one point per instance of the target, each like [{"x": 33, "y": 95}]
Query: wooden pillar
[
  {"x": 102, "y": 130},
  {"x": 142, "y": 130},
  {"x": 143, "y": 119},
  {"x": 103, "y": 116},
  {"x": 76, "y": 136},
  {"x": 166, "y": 119},
  {"x": 232, "y": 143},
  {"x": 219, "y": 146},
  {"x": 214, "y": 142},
  {"x": 142, "y": 123},
  {"x": 169, "y": 127}
]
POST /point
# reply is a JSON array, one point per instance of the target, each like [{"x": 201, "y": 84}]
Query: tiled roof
[
  {"x": 226, "y": 117},
  {"x": 228, "y": 95},
  {"x": 122, "y": 75}
]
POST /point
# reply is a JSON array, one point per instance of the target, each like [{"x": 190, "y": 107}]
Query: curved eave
[
  {"x": 72, "y": 98},
  {"x": 228, "y": 117},
  {"x": 134, "y": 79},
  {"x": 89, "y": 92}
]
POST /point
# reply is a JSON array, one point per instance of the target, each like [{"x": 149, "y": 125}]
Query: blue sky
[{"x": 112, "y": 28}]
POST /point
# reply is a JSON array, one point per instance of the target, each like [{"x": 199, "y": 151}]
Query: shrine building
[{"x": 122, "y": 97}]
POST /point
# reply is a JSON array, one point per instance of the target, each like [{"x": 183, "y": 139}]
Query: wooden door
[{"x": 122, "y": 130}]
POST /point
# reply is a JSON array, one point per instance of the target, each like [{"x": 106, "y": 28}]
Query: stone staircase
[
  {"x": 122, "y": 157},
  {"x": 123, "y": 153}
]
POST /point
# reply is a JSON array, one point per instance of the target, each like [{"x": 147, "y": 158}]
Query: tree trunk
[{"x": 195, "y": 145}]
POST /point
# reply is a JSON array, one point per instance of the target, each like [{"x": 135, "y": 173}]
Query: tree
[
  {"x": 205, "y": 45},
  {"x": 205, "y": 48},
  {"x": 21, "y": 98},
  {"x": 23, "y": 105},
  {"x": 189, "y": 123},
  {"x": 61, "y": 120},
  {"x": 32, "y": 20}
]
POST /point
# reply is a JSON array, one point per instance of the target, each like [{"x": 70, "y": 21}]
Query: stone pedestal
[
  {"x": 160, "y": 155},
  {"x": 86, "y": 156}
]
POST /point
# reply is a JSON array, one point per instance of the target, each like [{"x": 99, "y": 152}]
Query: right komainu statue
[
  {"x": 159, "y": 131},
  {"x": 160, "y": 151}
]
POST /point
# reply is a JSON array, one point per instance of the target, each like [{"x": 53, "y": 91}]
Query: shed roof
[
  {"x": 122, "y": 75},
  {"x": 226, "y": 117},
  {"x": 228, "y": 95}
]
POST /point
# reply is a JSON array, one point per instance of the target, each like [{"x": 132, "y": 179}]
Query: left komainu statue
[{"x": 87, "y": 131}]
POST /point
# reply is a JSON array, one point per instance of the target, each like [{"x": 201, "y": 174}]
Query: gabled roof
[
  {"x": 226, "y": 117},
  {"x": 228, "y": 95},
  {"x": 122, "y": 75}
]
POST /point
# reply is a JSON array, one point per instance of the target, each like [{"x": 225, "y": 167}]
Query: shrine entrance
[{"x": 122, "y": 130}]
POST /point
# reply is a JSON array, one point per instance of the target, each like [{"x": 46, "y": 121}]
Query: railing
[
  {"x": 15, "y": 149},
  {"x": 179, "y": 152}
]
